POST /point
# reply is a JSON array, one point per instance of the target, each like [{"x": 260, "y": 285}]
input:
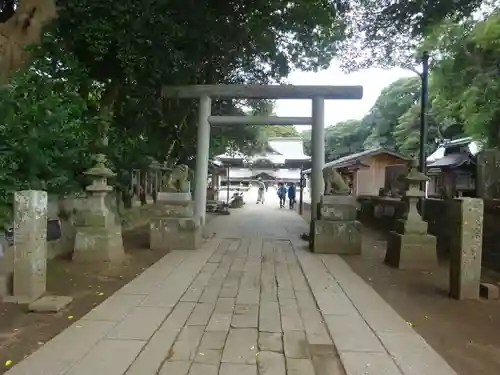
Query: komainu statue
[
  {"x": 22, "y": 29},
  {"x": 334, "y": 183},
  {"x": 178, "y": 177}
]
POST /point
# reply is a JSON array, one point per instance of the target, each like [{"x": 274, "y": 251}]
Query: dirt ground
[
  {"x": 21, "y": 333},
  {"x": 465, "y": 333}
]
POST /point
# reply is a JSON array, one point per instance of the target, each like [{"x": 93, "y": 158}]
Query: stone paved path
[{"x": 250, "y": 301}]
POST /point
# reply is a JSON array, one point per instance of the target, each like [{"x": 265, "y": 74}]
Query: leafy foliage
[
  {"x": 101, "y": 65},
  {"x": 393, "y": 122},
  {"x": 44, "y": 136},
  {"x": 387, "y": 34},
  {"x": 467, "y": 78},
  {"x": 394, "y": 101},
  {"x": 341, "y": 139},
  {"x": 280, "y": 131}
]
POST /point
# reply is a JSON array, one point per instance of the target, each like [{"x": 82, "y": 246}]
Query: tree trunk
[
  {"x": 22, "y": 29},
  {"x": 127, "y": 198}
]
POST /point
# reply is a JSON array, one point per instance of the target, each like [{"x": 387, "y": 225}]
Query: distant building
[
  {"x": 366, "y": 171},
  {"x": 452, "y": 168},
  {"x": 280, "y": 161}
]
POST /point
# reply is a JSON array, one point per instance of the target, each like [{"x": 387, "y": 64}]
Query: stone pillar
[
  {"x": 466, "y": 248},
  {"x": 337, "y": 232},
  {"x": 30, "y": 245},
  {"x": 318, "y": 154},
  {"x": 98, "y": 233},
  {"x": 174, "y": 225},
  {"x": 488, "y": 174},
  {"x": 202, "y": 157}
]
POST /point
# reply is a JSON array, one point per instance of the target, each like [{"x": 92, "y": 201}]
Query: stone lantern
[
  {"x": 409, "y": 246},
  {"x": 414, "y": 180},
  {"x": 99, "y": 235}
]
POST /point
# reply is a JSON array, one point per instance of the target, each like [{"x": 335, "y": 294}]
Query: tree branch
[
  {"x": 110, "y": 95},
  {"x": 7, "y": 9},
  {"x": 23, "y": 28},
  {"x": 411, "y": 69}
]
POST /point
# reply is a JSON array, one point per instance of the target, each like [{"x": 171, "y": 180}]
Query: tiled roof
[
  {"x": 472, "y": 146},
  {"x": 291, "y": 148},
  {"x": 348, "y": 160},
  {"x": 275, "y": 159},
  {"x": 236, "y": 155},
  {"x": 452, "y": 160},
  {"x": 286, "y": 148}
]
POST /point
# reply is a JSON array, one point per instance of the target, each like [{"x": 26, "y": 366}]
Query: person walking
[
  {"x": 282, "y": 194},
  {"x": 262, "y": 190},
  {"x": 291, "y": 195}
]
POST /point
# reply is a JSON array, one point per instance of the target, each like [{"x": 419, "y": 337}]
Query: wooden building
[
  {"x": 365, "y": 171},
  {"x": 452, "y": 169}
]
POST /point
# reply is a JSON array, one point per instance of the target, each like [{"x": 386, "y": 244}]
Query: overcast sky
[{"x": 372, "y": 80}]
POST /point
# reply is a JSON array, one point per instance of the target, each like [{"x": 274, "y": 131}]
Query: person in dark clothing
[
  {"x": 291, "y": 195},
  {"x": 282, "y": 194}
]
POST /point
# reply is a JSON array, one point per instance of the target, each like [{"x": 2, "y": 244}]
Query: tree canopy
[
  {"x": 90, "y": 79},
  {"x": 87, "y": 78},
  {"x": 463, "y": 87},
  {"x": 390, "y": 33}
]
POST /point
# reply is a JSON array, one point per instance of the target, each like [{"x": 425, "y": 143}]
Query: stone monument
[
  {"x": 409, "y": 246},
  {"x": 173, "y": 226},
  {"x": 466, "y": 247},
  {"x": 336, "y": 231},
  {"x": 30, "y": 254},
  {"x": 30, "y": 245},
  {"x": 488, "y": 174},
  {"x": 98, "y": 231}
]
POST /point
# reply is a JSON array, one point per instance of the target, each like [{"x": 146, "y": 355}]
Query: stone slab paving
[{"x": 251, "y": 301}]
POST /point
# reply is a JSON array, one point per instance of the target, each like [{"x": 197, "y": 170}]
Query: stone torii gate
[{"x": 205, "y": 93}]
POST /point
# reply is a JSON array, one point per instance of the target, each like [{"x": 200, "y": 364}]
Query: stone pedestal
[
  {"x": 30, "y": 245},
  {"x": 409, "y": 246},
  {"x": 174, "y": 227},
  {"x": 337, "y": 231},
  {"x": 466, "y": 248},
  {"x": 173, "y": 197},
  {"x": 98, "y": 231}
]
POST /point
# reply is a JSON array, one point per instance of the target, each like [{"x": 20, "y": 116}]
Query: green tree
[
  {"x": 393, "y": 102},
  {"x": 466, "y": 78},
  {"x": 344, "y": 138},
  {"x": 306, "y": 140},
  {"x": 280, "y": 131},
  {"x": 124, "y": 52},
  {"x": 389, "y": 34},
  {"x": 44, "y": 136}
]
